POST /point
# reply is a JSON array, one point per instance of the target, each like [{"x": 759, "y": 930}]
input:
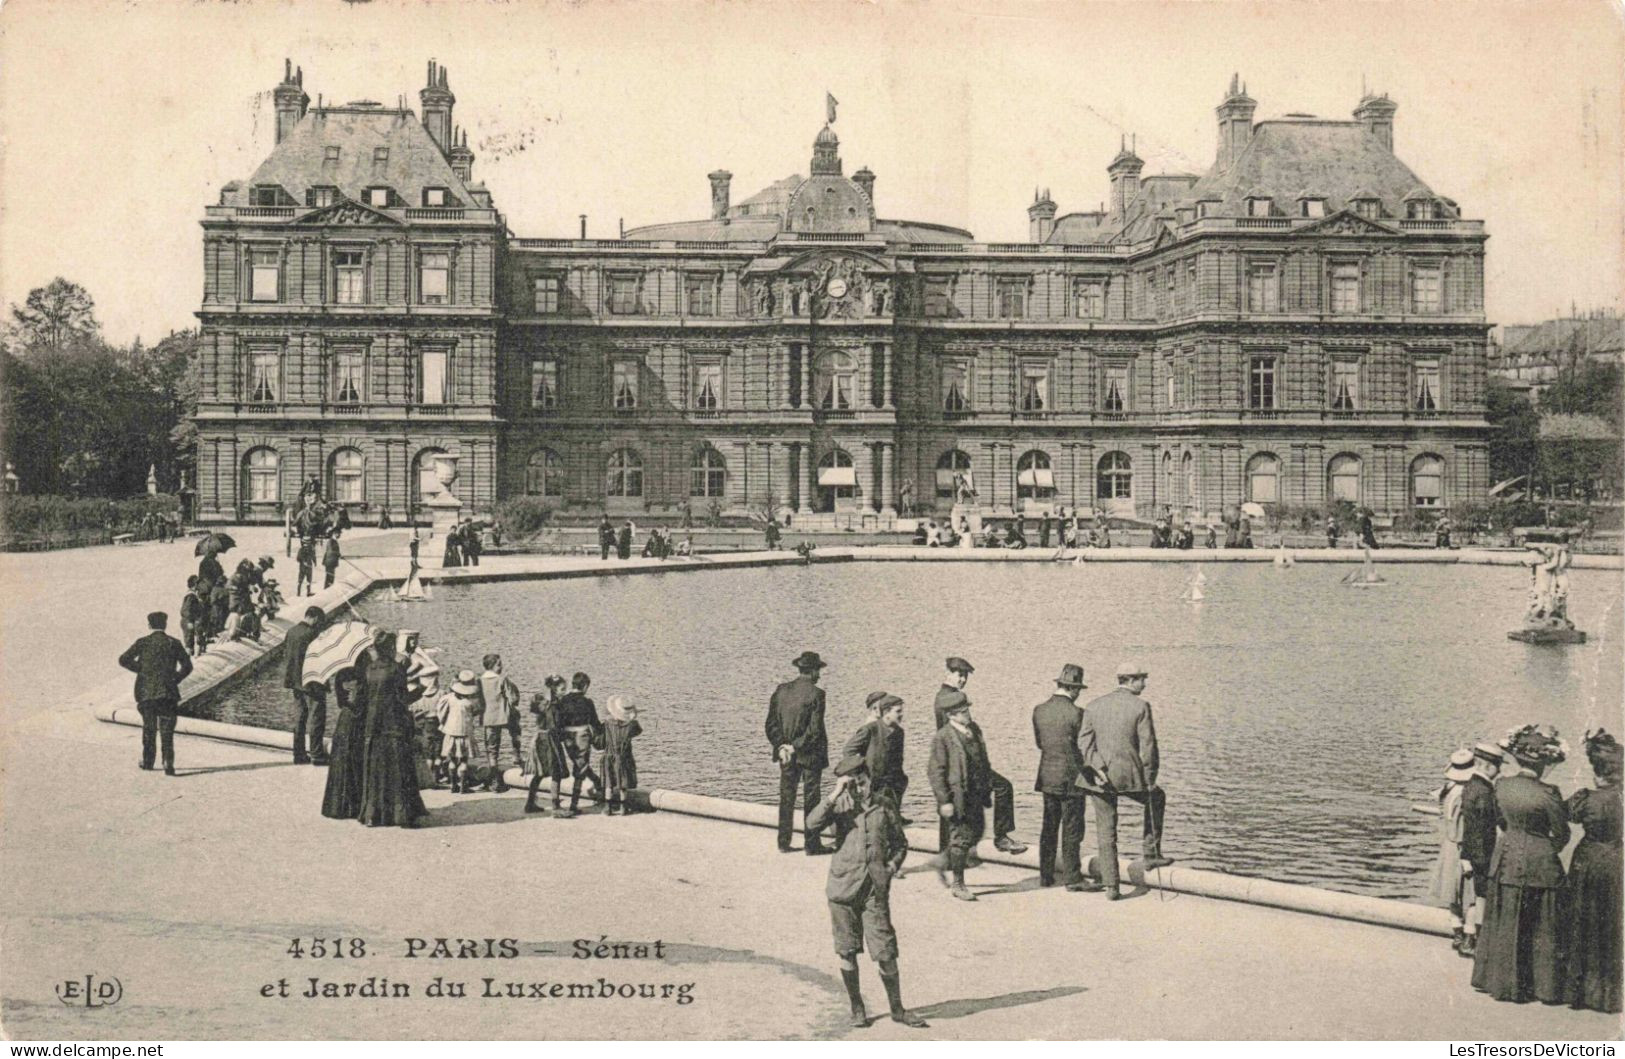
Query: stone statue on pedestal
[{"x": 1547, "y": 619}]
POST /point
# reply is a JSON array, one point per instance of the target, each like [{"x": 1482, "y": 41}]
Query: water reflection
[{"x": 1299, "y": 719}]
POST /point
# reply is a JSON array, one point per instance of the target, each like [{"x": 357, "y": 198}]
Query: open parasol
[
  {"x": 335, "y": 649},
  {"x": 1252, "y": 510},
  {"x": 214, "y": 544}
]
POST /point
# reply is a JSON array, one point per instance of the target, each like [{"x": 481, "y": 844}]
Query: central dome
[{"x": 829, "y": 204}]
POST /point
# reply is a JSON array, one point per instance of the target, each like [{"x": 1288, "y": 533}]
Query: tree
[
  {"x": 1514, "y": 431},
  {"x": 54, "y": 315},
  {"x": 1588, "y": 388}
]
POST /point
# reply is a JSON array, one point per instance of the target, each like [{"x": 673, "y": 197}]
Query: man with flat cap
[
  {"x": 1118, "y": 742},
  {"x": 795, "y": 731},
  {"x": 1056, "y": 723},
  {"x": 160, "y": 663},
  {"x": 1004, "y": 796},
  {"x": 860, "y": 878},
  {"x": 879, "y": 741},
  {"x": 960, "y": 784}
]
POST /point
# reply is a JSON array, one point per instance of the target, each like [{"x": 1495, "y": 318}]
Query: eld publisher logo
[{"x": 90, "y": 991}]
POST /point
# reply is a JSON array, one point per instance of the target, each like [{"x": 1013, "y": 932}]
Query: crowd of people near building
[
  {"x": 218, "y": 608},
  {"x": 1093, "y": 755},
  {"x": 1533, "y": 929}
]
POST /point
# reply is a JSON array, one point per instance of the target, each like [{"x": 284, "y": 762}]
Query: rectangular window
[
  {"x": 1171, "y": 384},
  {"x": 1370, "y": 209},
  {"x": 349, "y": 376},
  {"x": 380, "y": 157},
  {"x": 624, "y": 385},
  {"x": 264, "y": 376},
  {"x": 1346, "y": 288},
  {"x": 546, "y": 290},
  {"x": 265, "y": 275},
  {"x": 1188, "y": 372},
  {"x": 1261, "y": 383},
  {"x": 623, "y": 295},
  {"x": 1089, "y": 299},
  {"x": 321, "y": 196},
  {"x": 955, "y": 386},
  {"x": 378, "y": 198},
  {"x": 1035, "y": 395},
  {"x": 1419, "y": 210},
  {"x": 1345, "y": 385},
  {"x": 1426, "y": 388},
  {"x": 1114, "y": 388},
  {"x": 708, "y": 392},
  {"x": 1259, "y": 207},
  {"x": 1012, "y": 294},
  {"x": 434, "y": 196},
  {"x": 349, "y": 277},
  {"x": 434, "y": 277},
  {"x": 270, "y": 195},
  {"x": 938, "y": 296},
  {"x": 330, "y": 155},
  {"x": 544, "y": 385},
  {"x": 1190, "y": 280},
  {"x": 700, "y": 294},
  {"x": 434, "y": 381},
  {"x": 1314, "y": 207},
  {"x": 1425, "y": 289},
  {"x": 1263, "y": 293}
]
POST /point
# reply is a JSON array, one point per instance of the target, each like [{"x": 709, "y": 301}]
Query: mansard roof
[
  {"x": 1338, "y": 159},
  {"x": 299, "y": 162}
]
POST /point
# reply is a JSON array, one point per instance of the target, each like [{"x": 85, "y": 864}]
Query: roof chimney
[
  {"x": 1376, "y": 113},
  {"x": 437, "y": 103},
  {"x": 719, "y": 194},
  {"x": 865, "y": 179},
  {"x": 1235, "y": 123},
  {"x": 460, "y": 157},
  {"x": 290, "y": 98},
  {"x": 1040, "y": 217},
  {"x": 1125, "y": 176}
]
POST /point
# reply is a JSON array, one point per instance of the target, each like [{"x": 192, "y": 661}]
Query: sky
[{"x": 121, "y": 120}]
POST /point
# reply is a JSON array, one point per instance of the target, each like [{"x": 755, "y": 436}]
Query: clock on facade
[{"x": 836, "y": 288}]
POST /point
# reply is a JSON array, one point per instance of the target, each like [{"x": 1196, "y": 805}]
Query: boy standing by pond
[{"x": 499, "y": 699}]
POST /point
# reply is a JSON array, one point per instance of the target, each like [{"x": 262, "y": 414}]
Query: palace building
[{"x": 1303, "y": 322}]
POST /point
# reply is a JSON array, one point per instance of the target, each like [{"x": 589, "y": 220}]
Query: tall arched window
[
  {"x": 1343, "y": 478},
  {"x": 1034, "y": 479},
  {"x": 837, "y": 479},
  {"x": 625, "y": 473},
  {"x": 951, "y": 465},
  {"x": 1427, "y": 481},
  {"x": 544, "y": 474},
  {"x": 261, "y": 476},
  {"x": 835, "y": 381},
  {"x": 1115, "y": 477},
  {"x": 1168, "y": 487},
  {"x": 424, "y": 481},
  {"x": 1187, "y": 469},
  {"x": 708, "y": 474},
  {"x": 1264, "y": 479},
  {"x": 348, "y": 483}
]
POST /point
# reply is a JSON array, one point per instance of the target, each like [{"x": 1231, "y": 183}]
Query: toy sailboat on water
[
  {"x": 1193, "y": 588},
  {"x": 1366, "y": 576},
  {"x": 414, "y": 590},
  {"x": 1283, "y": 558}
]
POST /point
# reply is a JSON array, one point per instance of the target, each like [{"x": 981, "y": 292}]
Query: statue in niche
[
  {"x": 880, "y": 297},
  {"x": 798, "y": 297},
  {"x": 761, "y": 293}
]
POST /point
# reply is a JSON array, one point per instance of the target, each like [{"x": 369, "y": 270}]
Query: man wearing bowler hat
[
  {"x": 160, "y": 663},
  {"x": 1118, "y": 743},
  {"x": 1056, "y": 723},
  {"x": 795, "y": 730},
  {"x": 949, "y": 696}
]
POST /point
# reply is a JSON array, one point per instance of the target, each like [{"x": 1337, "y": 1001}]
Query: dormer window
[
  {"x": 330, "y": 156},
  {"x": 1259, "y": 206},
  {"x": 1370, "y": 209},
  {"x": 1312, "y": 207},
  {"x": 266, "y": 195},
  {"x": 1207, "y": 208},
  {"x": 1420, "y": 210},
  {"x": 378, "y": 198},
  {"x": 380, "y": 157},
  {"x": 434, "y": 196},
  {"x": 321, "y": 196}
]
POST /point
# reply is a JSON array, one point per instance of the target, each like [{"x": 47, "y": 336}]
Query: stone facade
[{"x": 1204, "y": 341}]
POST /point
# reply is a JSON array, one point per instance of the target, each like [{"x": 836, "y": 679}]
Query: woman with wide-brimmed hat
[
  {"x": 1593, "y": 949},
  {"x": 1519, "y": 955},
  {"x": 620, "y": 767},
  {"x": 389, "y": 782}
]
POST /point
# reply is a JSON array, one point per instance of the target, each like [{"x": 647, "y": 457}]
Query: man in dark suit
[
  {"x": 1004, "y": 796},
  {"x": 795, "y": 731},
  {"x": 960, "y": 784},
  {"x": 309, "y": 700},
  {"x": 879, "y": 742},
  {"x": 1118, "y": 743},
  {"x": 160, "y": 663},
  {"x": 606, "y": 538},
  {"x": 1056, "y": 722},
  {"x": 1478, "y": 831}
]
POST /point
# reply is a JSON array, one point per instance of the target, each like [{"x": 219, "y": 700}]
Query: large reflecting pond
[{"x": 1299, "y": 719}]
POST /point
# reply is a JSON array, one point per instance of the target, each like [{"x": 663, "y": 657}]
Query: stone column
[
  {"x": 808, "y": 473},
  {"x": 767, "y": 476},
  {"x": 887, "y": 454},
  {"x": 742, "y": 474}
]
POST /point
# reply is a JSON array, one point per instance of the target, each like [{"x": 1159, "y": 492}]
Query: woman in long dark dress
[
  {"x": 1519, "y": 955},
  {"x": 345, "y": 764},
  {"x": 1593, "y": 949},
  {"x": 389, "y": 782}
]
